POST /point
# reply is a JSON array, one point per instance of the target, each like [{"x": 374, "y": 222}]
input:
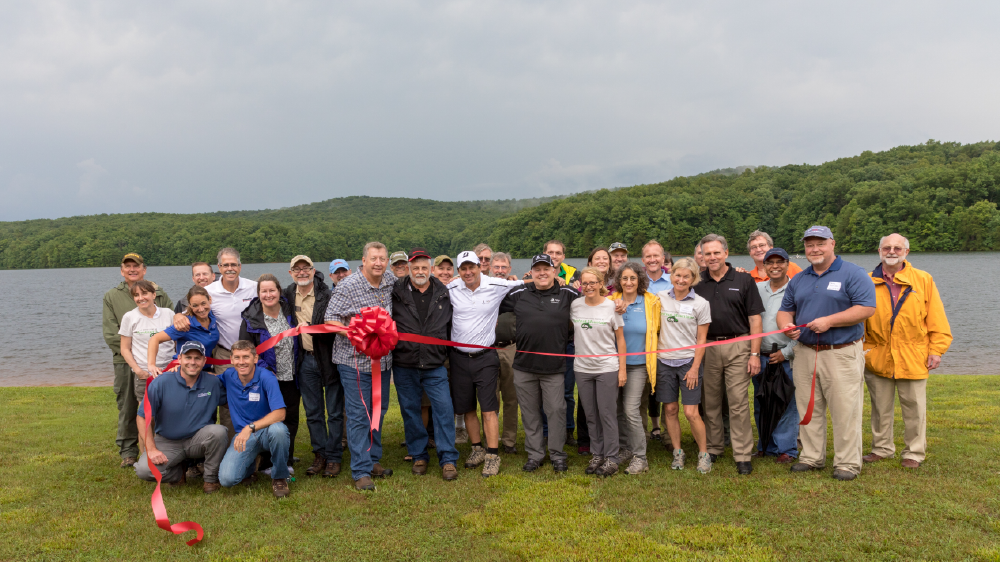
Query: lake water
[{"x": 50, "y": 319}]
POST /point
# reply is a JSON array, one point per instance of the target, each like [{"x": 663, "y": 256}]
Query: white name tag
[
  {"x": 255, "y": 397},
  {"x": 686, "y": 309},
  {"x": 833, "y": 286}
]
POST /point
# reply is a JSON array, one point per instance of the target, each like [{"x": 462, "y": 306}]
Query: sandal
[{"x": 655, "y": 433}]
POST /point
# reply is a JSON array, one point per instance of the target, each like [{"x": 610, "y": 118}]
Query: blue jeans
[
  {"x": 323, "y": 435},
  {"x": 238, "y": 465},
  {"x": 410, "y": 386},
  {"x": 365, "y": 450},
  {"x": 785, "y": 436}
]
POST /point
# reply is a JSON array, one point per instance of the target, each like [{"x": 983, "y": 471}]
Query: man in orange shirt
[{"x": 758, "y": 245}]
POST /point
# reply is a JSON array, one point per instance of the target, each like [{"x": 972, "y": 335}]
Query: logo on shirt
[
  {"x": 586, "y": 326},
  {"x": 554, "y": 300},
  {"x": 204, "y": 394}
]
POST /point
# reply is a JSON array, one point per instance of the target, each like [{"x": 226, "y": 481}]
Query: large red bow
[{"x": 373, "y": 332}]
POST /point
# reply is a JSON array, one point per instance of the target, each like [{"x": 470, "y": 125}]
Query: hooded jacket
[
  {"x": 118, "y": 301},
  {"x": 899, "y": 339},
  {"x": 437, "y": 324},
  {"x": 255, "y": 330},
  {"x": 322, "y": 343}
]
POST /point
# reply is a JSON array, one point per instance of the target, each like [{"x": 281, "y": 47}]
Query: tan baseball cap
[
  {"x": 443, "y": 258},
  {"x": 132, "y": 256},
  {"x": 299, "y": 258}
]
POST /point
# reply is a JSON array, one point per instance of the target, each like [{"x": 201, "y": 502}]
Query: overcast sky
[{"x": 200, "y": 106}]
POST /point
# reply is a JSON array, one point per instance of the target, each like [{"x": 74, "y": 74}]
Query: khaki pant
[
  {"x": 224, "y": 419},
  {"x": 507, "y": 395},
  {"x": 726, "y": 377},
  {"x": 839, "y": 374},
  {"x": 913, "y": 403},
  {"x": 127, "y": 437}
]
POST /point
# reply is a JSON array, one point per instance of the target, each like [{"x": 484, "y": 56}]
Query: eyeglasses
[
  {"x": 228, "y": 265},
  {"x": 894, "y": 249},
  {"x": 297, "y": 270},
  {"x": 590, "y": 284},
  {"x": 485, "y": 259},
  {"x": 760, "y": 247}
]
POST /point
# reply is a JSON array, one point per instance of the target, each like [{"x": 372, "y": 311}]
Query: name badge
[
  {"x": 833, "y": 286},
  {"x": 255, "y": 397},
  {"x": 687, "y": 309}
]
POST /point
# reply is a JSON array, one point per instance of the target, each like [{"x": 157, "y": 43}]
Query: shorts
[
  {"x": 140, "y": 389},
  {"x": 670, "y": 381},
  {"x": 473, "y": 377}
]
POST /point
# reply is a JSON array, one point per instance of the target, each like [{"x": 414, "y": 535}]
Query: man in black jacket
[
  {"x": 421, "y": 305},
  {"x": 318, "y": 379}
]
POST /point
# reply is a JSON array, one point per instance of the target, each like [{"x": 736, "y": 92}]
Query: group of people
[{"x": 624, "y": 337}]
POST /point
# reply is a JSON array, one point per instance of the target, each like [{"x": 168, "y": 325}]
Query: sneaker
[
  {"x": 267, "y": 470},
  {"x": 704, "y": 463},
  {"x": 491, "y": 466},
  {"x": 461, "y": 436},
  {"x": 609, "y": 468},
  {"x": 679, "y": 457},
  {"x": 476, "y": 457},
  {"x": 595, "y": 463},
  {"x": 279, "y": 487},
  {"x": 625, "y": 455},
  {"x": 319, "y": 463},
  {"x": 637, "y": 466}
]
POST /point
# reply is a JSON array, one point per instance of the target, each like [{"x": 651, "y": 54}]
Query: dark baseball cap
[
  {"x": 191, "y": 345},
  {"x": 419, "y": 253},
  {"x": 542, "y": 258},
  {"x": 818, "y": 232},
  {"x": 776, "y": 252},
  {"x": 617, "y": 246}
]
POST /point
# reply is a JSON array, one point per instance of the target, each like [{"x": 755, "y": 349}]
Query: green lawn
[{"x": 62, "y": 496}]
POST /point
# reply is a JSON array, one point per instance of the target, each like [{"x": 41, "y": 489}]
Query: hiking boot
[
  {"x": 128, "y": 461},
  {"x": 758, "y": 455},
  {"x": 784, "y": 458},
  {"x": 194, "y": 471},
  {"x": 531, "y": 466},
  {"x": 910, "y": 463},
  {"x": 364, "y": 484},
  {"x": 319, "y": 463},
  {"x": 461, "y": 436},
  {"x": 476, "y": 457},
  {"x": 449, "y": 472},
  {"x": 638, "y": 465},
  {"x": 570, "y": 440},
  {"x": 560, "y": 466},
  {"x": 872, "y": 457},
  {"x": 595, "y": 463},
  {"x": 509, "y": 450},
  {"x": 583, "y": 450},
  {"x": 844, "y": 475},
  {"x": 379, "y": 472},
  {"x": 704, "y": 463},
  {"x": 625, "y": 455},
  {"x": 609, "y": 468},
  {"x": 211, "y": 487},
  {"x": 713, "y": 457},
  {"x": 431, "y": 444},
  {"x": 332, "y": 469},
  {"x": 180, "y": 482},
  {"x": 419, "y": 467},
  {"x": 491, "y": 466},
  {"x": 279, "y": 487},
  {"x": 249, "y": 480},
  {"x": 803, "y": 467},
  {"x": 678, "y": 463},
  {"x": 744, "y": 467}
]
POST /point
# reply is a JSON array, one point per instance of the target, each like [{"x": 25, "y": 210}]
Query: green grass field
[{"x": 62, "y": 496}]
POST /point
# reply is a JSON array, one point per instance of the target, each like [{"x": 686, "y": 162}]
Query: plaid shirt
[{"x": 348, "y": 298}]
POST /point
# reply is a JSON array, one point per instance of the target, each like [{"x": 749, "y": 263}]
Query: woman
[
  {"x": 685, "y": 317},
  {"x": 268, "y": 315},
  {"x": 139, "y": 325},
  {"x": 203, "y": 329},
  {"x": 598, "y": 331},
  {"x": 642, "y": 330},
  {"x": 600, "y": 259}
]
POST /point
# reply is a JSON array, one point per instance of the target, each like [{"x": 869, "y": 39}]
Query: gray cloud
[{"x": 191, "y": 106}]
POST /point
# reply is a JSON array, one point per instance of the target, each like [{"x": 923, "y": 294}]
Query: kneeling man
[
  {"x": 257, "y": 410},
  {"x": 182, "y": 404}
]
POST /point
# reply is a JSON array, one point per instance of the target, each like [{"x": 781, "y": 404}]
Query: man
[
  {"x": 258, "y": 410},
  {"x": 505, "y": 332},
  {"x": 338, "y": 270},
  {"x": 322, "y": 394},
  {"x": 182, "y": 403},
  {"x": 421, "y": 305},
  {"x": 201, "y": 275},
  {"x": 699, "y": 256},
  {"x": 569, "y": 276},
  {"x": 904, "y": 341},
  {"x": 653, "y": 257},
  {"x": 485, "y": 255},
  {"x": 370, "y": 286},
  {"x": 444, "y": 269},
  {"x": 736, "y": 308},
  {"x": 832, "y": 298},
  {"x": 619, "y": 255},
  {"x": 400, "y": 264},
  {"x": 475, "y": 301},
  {"x": 758, "y": 245},
  {"x": 556, "y": 251},
  {"x": 117, "y": 302},
  {"x": 783, "y": 443}
]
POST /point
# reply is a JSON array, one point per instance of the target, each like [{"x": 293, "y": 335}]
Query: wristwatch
[{"x": 253, "y": 428}]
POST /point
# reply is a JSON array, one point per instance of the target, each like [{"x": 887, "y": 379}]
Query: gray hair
[
  {"x": 906, "y": 241},
  {"x": 690, "y": 265},
  {"x": 227, "y": 251},
  {"x": 715, "y": 238},
  {"x": 480, "y": 247},
  {"x": 501, "y": 256},
  {"x": 372, "y": 246},
  {"x": 760, "y": 234}
]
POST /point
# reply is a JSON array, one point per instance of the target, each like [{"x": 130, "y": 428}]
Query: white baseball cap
[{"x": 467, "y": 257}]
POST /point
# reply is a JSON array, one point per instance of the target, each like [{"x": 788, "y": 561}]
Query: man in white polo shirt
[{"x": 475, "y": 300}]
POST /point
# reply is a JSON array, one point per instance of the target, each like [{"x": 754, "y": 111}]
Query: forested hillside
[{"x": 943, "y": 196}]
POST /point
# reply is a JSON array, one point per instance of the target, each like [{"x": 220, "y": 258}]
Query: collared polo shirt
[
  {"x": 304, "y": 314},
  {"x": 251, "y": 402},
  {"x": 346, "y": 301},
  {"x": 733, "y": 300},
  {"x": 661, "y": 284},
  {"x": 812, "y": 296},
  {"x": 679, "y": 321},
  {"x": 207, "y": 337},
  {"x": 228, "y": 308},
  {"x": 474, "y": 313},
  {"x": 179, "y": 411},
  {"x": 772, "y": 302},
  {"x": 635, "y": 330}
]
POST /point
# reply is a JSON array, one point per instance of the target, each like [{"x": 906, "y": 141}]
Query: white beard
[
  {"x": 815, "y": 260},
  {"x": 890, "y": 261},
  {"x": 303, "y": 283},
  {"x": 419, "y": 281}
]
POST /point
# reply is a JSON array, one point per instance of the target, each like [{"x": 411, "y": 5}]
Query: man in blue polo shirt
[
  {"x": 832, "y": 298},
  {"x": 257, "y": 410},
  {"x": 182, "y": 403}
]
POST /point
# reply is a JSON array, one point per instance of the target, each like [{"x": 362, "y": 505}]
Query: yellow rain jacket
[
  {"x": 652, "y": 305},
  {"x": 899, "y": 339}
]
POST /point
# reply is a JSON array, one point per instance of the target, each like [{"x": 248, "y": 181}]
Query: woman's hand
[
  {"x": 143, "y": 375},
  {"x": 153, "y": 370},
  {"x": 622, "y": 377},
  {"x": 691, "y": 379}
]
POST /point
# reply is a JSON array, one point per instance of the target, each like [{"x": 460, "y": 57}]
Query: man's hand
[
  {"x": 181, "y": 323},
  {"x": 620, "y": 306},
  {"x": 741, "y": 270},
  {"x": 791, "y": 331},
  {"x": 240, "y": 442},
  {"x": 691, "y": 378},
  {"x": 820, "y": 325},
  {"x": 753, "y": 366},
  {"x": 512, "y": 278},
  {"x": 622, "y": 377},
  {"x": 156, "y": 456},
  {"x": 777, "y": 357},
  {"x": 933, "y": 362}
]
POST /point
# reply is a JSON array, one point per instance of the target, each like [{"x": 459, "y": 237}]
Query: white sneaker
[
  {"x": 678, "y": 463},
  {"x": 461, "y": 436},
  {"x": 704, "y": 463},
  {"x": 637, "y": 466}
]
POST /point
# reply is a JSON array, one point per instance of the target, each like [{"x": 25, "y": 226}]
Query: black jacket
[
  {"x": 255, "y": 330},
  {"x": 542, "y": 324},
  {"x": 437, "y": 324},
  {"x": 322, "y": 343}
]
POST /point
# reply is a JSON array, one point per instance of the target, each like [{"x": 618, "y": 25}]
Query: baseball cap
[
  {"x": 299, "y": 258},
  {"x": 398, "y": 257},
  {"x": 617, "y": 246},
  {"x": 419, "y": 253},
  {"x": 776, "y": 252},
  {"x": 339, "y": 264},
  {"x": 467, "y": 257},
  {"x": 191, "y": 345},
  {"x": 542, "y": 258},
  {"x": 818, "y": 232},
  {"x": 132, "y": 256},
  {"x": 443, "y": 258}
]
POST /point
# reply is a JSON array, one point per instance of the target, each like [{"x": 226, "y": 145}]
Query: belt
[
  {"x": 309, "y": 352},
  {"x": 726, "y": 337},
  {"x": 834, "y": 346},
  {"x": 479, "y": 353},
  {"x": 504, "y": 343}
]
